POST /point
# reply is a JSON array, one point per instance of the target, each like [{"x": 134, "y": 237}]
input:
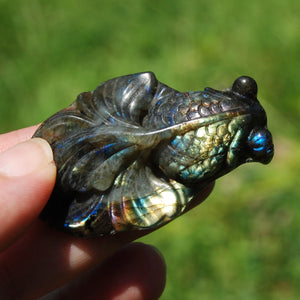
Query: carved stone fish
[{"x": 132, "y": 154}]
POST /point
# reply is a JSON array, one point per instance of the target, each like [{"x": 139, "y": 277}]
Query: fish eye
[
  {"x": 245, "y": 86},
  {"x": 261, "y": 145}
]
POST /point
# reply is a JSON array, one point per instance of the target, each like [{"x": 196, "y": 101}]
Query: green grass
[{"x": 243, "y": 242}]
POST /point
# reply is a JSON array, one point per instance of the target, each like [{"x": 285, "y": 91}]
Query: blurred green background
[{"x": 243, "y": 242}]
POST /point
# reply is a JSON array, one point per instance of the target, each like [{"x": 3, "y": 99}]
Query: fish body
[{"x": 131, "y": 154}]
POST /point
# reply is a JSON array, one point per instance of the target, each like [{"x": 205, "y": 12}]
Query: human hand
[{"x": 37, "y": 259}]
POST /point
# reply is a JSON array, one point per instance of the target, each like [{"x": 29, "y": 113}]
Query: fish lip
[{"x": 266, "y": 160}]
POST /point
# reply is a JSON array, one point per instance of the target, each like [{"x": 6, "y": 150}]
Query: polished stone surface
[{"x": 132, "y": 154}]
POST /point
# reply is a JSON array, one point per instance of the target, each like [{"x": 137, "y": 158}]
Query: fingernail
[{"x": 25, "y": 158}]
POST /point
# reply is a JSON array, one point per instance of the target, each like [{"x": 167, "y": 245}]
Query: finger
[
  {"x": 44, "y": 259},
  {"x": 136, "y": 272},
  {"x": 27, "y": 177},
  {"x": 10, "y": 139},
  {"x": 50, "y": 259}
]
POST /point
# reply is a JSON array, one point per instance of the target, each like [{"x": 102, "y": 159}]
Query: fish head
[{"x": 213, "y": 133}]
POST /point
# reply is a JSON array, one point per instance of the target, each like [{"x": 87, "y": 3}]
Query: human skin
[{"x": 36, "y": 259}]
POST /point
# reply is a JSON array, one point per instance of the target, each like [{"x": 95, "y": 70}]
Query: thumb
[{"x": 27, "y": 177}]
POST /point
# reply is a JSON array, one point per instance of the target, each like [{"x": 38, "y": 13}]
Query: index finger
[{"x": 10, "y": 139}]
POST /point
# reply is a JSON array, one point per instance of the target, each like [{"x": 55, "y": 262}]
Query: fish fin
[
  {"x": 120, "y": 101},
  {"x": 140, "y": 199},
  {"x": 137, "y": 200}
]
